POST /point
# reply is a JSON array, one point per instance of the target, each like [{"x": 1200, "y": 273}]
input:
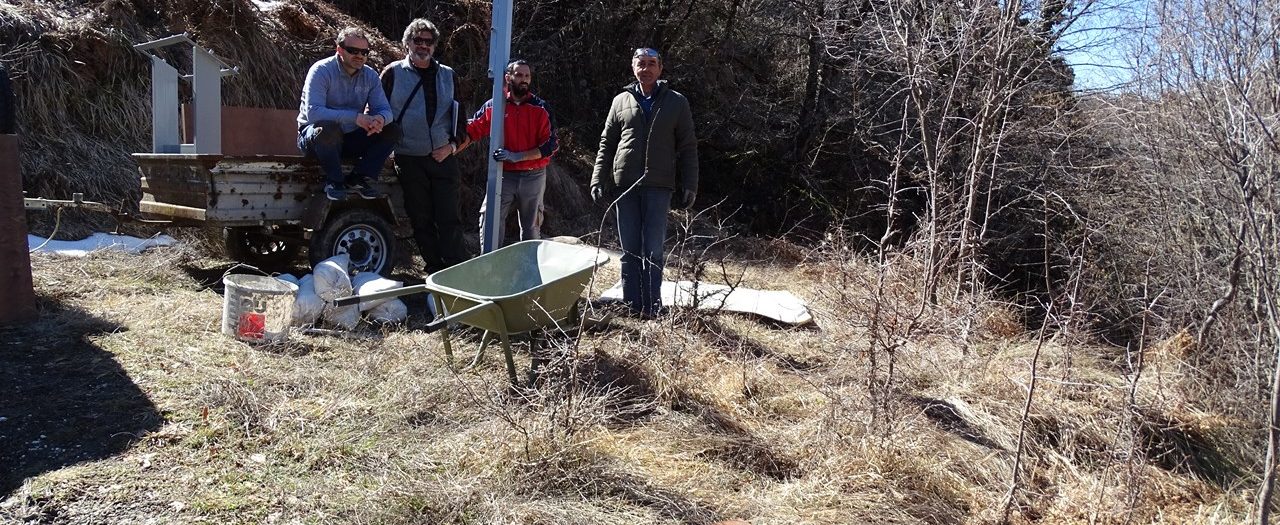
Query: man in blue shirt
[{"x": 344, "y": 114}]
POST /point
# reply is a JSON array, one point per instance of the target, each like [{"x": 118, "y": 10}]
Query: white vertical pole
[{"x": 499, "y": 55}]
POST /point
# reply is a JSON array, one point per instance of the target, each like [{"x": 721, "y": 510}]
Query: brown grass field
[{"x": 124, "y": 403}]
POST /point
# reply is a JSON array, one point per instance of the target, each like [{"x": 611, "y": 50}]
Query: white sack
[
  {"x": 370, "y": 282},
  {"x": 332, "y": 280},
  {"x": 390, "y": 311},
  {"x": 344, "y": 317},
  {"x": 307, "y": 306}
]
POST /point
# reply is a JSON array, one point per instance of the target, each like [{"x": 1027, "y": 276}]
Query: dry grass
[{"x": 689, "y": 419}]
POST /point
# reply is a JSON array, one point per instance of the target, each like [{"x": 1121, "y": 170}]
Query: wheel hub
[{"x": 366, "y": 248}]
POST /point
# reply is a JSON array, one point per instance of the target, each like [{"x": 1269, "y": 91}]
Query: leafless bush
[{"x": 1204, "y": 154}]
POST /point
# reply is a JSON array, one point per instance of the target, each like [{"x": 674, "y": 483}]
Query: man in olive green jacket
[{"x": 648, "y": 150}]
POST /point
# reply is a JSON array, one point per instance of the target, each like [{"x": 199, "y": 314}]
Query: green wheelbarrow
[{"x": 523, "y": 287}]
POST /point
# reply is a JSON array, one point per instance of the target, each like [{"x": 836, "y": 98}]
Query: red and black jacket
[{"x": 527, "y": 125}]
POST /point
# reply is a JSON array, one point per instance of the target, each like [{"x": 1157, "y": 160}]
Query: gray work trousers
[{"x": 524, "y": 189}]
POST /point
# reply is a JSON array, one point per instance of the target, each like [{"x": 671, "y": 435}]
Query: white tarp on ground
[
  {"x": 782, "y": 306},
  {"x": 97, "y": 242}
]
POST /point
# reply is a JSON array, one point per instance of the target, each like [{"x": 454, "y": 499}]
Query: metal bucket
[{"x": 257, "y": 309}]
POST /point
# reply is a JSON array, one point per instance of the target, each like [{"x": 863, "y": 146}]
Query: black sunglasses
[
  {"x": 424, "y": 41},
  {"x": 356, "y": 50}
]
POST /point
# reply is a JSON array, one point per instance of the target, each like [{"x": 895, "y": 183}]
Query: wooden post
[{"x": 18, "y": 299}]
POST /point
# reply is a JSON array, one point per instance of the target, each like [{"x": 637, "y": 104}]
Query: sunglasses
[
  {"x": 356, "y": 50},
  {"x": 424, "y": 41},
  {"x": 646, "y": 52}
]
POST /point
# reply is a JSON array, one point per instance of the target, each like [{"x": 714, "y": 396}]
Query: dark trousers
[
  {"x": 642, "y": 230},
  {"x": 431, "y": 199},
  {"x": 325, "y": 142},
  {"x": 8, "y": 108}
]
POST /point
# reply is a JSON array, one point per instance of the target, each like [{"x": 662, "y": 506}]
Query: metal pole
[{"x": 499, "y": 55}]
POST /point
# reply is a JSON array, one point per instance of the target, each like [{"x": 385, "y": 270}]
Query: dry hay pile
[{"x": 83, "y": 93}]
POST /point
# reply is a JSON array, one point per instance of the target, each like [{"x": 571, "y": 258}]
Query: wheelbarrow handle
[
  {"x": 436, "y": 325},
  {"x": 387, "y": 294},
  {"x": 445, "y": 320}
]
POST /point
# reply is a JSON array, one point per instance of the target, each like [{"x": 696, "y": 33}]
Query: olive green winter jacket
[{"x": 660, "y": 151}]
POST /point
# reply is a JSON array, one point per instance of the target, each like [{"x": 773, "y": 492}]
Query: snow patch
[
  {"x": 267, "y": 5},
  {"x": 96, "y": 243}
]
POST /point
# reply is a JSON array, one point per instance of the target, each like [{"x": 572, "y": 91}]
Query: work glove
[
  {"x": 506, "y": 155},
  {"x": 686, "y": 199},
  {"x": 597, "y": 193}
]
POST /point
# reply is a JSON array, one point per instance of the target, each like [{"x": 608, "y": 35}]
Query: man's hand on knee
[{"x": 369, "y": 123}]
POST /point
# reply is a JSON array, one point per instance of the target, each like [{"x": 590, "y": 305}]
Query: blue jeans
[
  {"x": 325, "y": 142},
  {"x": 642, "y": 230}
]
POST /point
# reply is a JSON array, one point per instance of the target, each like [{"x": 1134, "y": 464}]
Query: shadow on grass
[
  {"x": 730, "y": 340},
  {"x": 63, "y": 399},
  {"x": 580, "y": 478},
  {"x": 738, "y": 446},
  {"x": 1178, "y": 446},
  {"x": 946, "y": 417}
]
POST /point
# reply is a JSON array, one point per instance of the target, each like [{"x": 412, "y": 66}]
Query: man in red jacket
[{"x": 530, "y": 136}]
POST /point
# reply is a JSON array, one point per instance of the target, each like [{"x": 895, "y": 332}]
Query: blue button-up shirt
[{"x": 329, "y": 93}]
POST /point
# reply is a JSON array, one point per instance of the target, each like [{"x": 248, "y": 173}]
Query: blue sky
[{"x": 1101, "y": 43}]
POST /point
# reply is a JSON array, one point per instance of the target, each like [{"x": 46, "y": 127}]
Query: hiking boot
[
  {"x": 365, "y": 189},
  {"x": 335, "y": 192}
]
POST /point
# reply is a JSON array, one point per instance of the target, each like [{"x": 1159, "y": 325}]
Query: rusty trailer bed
[{"x": 242, "y": 190}]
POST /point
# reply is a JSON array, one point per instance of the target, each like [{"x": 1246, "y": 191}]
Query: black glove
[
  {"x": 684, "y": 199},
  {"x": 506, "y": 155},
  {"x": 597, "y": 193}
]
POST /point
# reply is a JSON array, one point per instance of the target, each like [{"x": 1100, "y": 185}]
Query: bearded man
[
  {"x": 529, "y": 133},
  {"x": 424, "y": 99}
]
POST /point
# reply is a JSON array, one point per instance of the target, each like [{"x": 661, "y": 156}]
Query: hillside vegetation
[{"x": 1034, "y": 304}]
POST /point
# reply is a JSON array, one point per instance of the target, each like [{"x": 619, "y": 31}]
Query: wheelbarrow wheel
[
  {"x": 254, "y": 246},
  {"x": 362, "y": 234}
]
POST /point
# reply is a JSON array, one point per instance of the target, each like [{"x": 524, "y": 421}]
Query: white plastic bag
[
  {"x": 391, "y": 311},
  {"x": 370, "y": 282},
  {"x": 287, "y": 277},
  {"x": 332, "y": 280},
  {"x": 307, "y": 306}
]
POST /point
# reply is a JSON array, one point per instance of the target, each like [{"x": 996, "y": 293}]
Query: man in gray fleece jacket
[
  {"x": 648, "y": 151},
  {"x": 423, "y": 97}
]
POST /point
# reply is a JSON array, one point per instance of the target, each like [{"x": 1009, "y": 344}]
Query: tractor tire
[
  {"x": 362, "y": 234},
  {"x": 252, "y": 246}
]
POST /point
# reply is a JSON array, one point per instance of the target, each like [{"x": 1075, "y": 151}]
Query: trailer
[
  {"x": 239, "y": 169},
  {"x": 271, "y": 207}
]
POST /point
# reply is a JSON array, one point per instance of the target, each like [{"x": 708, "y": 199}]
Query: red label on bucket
[{"x": 253, "y": 325}]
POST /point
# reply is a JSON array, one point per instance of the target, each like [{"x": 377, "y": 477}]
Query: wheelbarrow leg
[
  {"x": 484, "y": 343},
  {"x": 511, "y": 361},
  {"x": 537, "y": 355},
  {"x": 448, "y": 349},
  {"x": 444, "y": 333}
]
